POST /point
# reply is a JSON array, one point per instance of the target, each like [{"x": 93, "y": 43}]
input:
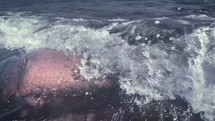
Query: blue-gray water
[
  {"x": 101, "y": 9},
  {"x": 162, "y": 50}
]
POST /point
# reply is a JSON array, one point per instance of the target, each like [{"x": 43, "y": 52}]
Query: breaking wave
[{"x": 158, "y": 59}]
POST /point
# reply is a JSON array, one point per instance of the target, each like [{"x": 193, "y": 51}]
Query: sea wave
[{"x": 158, "y": 59}]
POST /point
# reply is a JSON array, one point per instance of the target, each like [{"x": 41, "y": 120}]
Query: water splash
[{"x": 157, "y": 71}]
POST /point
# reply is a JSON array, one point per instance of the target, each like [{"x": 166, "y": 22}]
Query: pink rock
[{"x": 48, "y": 71}]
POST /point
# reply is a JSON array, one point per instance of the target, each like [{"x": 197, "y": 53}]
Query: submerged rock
[{"x": 49, "y": 79}]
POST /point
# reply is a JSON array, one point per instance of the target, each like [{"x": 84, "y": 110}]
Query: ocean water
[{"x": 162, "y": 50}]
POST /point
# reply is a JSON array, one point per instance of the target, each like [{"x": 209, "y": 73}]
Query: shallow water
[{"x": 162, "y": 51}]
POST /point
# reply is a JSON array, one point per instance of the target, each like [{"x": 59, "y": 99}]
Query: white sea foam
[
  {"x": 202, "y": 96},
  {"x": 200, "y": 17},
  {"x": 156, "y": 71}
]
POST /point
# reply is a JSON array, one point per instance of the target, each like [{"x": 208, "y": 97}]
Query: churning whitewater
[{"x": 154, "y": 60}]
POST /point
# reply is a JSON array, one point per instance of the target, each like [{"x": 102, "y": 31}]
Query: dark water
[
  {"x": 162, "y": 51},
  {"x": 100, "y": 9}
]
